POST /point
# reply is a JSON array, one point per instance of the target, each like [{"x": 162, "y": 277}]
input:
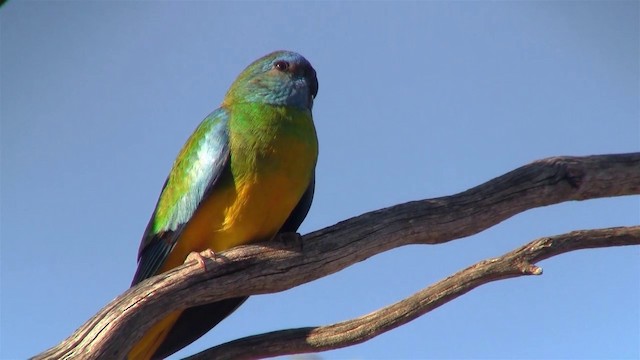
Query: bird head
[{"x": 282, "y": 78}]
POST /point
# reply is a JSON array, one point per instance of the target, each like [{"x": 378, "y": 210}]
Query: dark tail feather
[{"x": 195, "y": 322}]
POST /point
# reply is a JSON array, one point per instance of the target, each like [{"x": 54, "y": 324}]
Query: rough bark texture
[
  {"x": 519, "y": 262},
  {"x": 275, "y": 266}
]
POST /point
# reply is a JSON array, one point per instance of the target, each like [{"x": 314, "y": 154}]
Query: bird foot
[
  {"x": 194, "y": 255},
  {"x": 290, "y": 238}
]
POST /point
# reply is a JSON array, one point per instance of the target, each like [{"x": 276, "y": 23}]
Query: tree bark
[
  {"x": 275, "y": 266},
  {"x": 519, "y": 262}
]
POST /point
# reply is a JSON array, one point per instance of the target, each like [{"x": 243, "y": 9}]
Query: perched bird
[{"x": 246, "y": 174}]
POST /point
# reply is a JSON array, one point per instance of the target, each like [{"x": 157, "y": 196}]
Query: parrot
[{"x": 246, "y": 174}]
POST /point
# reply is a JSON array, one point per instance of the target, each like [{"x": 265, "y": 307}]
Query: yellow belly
[{"x": 253, "y": 211}]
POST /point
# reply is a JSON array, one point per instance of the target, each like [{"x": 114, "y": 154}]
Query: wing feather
[{"x": 198, "y": 167}]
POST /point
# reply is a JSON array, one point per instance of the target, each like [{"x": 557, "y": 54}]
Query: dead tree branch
[
  {"x": 519, "y": 262},
  {"x": 273, "y": 267}
]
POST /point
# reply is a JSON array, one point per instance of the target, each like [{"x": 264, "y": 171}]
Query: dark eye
[{"x": 281, "y": 65}]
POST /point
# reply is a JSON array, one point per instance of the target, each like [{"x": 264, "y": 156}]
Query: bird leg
[{"x": 290, "y": 239}]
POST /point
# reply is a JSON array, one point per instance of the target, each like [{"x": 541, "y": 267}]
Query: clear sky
[{"x": 417, "y": 100}]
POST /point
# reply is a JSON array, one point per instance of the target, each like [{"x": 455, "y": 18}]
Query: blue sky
[{"x": 416, "y": 100}]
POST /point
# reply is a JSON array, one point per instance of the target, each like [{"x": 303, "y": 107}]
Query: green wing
[{"x": 195, "y": 172}]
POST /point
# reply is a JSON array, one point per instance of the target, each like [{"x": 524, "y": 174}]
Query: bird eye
[{"x": 281, "y": 65}]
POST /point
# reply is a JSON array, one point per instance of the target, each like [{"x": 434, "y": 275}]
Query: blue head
[{"x": 282, "y": 78}]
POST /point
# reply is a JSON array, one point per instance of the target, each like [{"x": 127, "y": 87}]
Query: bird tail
[{"x": 180, "y": 329}]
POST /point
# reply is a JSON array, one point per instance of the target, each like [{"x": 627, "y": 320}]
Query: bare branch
[
  {"x": 272, "y": 267},
  {"x": 519, "y": 262}
]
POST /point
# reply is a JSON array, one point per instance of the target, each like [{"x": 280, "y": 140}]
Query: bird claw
[
  {"x": 288, "y": 238},
  {"x": 194, "y": 255}
]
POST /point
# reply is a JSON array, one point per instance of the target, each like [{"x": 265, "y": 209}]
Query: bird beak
[{"x": 314, "y": 85}]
